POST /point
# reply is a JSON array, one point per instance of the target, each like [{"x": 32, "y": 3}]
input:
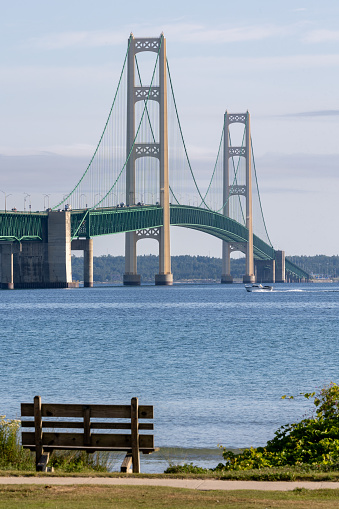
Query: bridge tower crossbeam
[{"x": 157, "y": 149}]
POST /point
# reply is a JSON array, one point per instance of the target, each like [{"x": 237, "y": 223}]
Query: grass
[
  {"x": 269, "y": 474},
  {"x": 12, "y": 455},
  {"x": 127, "y": 497},
  {"x": 284, "y": 473}
]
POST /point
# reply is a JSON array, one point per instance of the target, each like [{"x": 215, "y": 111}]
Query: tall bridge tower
[
  {"x": 243, "y": 190},
  {"x": 158, "y": 149}
]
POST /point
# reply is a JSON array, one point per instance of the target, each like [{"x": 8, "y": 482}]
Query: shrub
[
  {"x": 12, "y": 454},
  {"x": 312, "y": 441},
  {"x": 186, "y": 468},
  {"x": 78, "y": 461}
]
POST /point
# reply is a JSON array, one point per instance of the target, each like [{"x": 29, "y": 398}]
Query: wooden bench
[{"x": 44, "y": 442}]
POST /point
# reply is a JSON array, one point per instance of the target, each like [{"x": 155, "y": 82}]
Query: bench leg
[
  {"x": 126, "y": 464},
  {"x": 41, "y": 464},
  {"x": 135, "y": 435}
]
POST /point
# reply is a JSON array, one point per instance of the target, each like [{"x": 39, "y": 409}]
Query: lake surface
[{"x": 214, "y": 360}]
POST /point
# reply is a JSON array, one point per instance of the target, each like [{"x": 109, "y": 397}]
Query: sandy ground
[{"x": 194, "y": 484}]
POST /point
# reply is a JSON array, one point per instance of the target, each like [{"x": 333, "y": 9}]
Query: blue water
[{"x": 214, "y": 360}]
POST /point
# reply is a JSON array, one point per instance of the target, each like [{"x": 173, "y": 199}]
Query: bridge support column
[
  {"x": 131, "y": 277},
  {"x": 59, "y": 250},
  {"x": 31, "y": 265},
  {"x": 88, "y": 264},
  {"x": 280, "y": 272},
  {"x": 226, "y": 277},
  {"x": 85, "y": 245},
  {"x": 7, "y": 280},
  {"x": 158, "y": 149},
  {"x": 265, "y": 271},
  {"x": 249, "y": 277},
  {"x": 236, "y": 188},
  {"x": 165, "y": 277}
]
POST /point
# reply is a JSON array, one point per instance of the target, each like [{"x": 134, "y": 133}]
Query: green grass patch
[
  {"x": 127, "y": 497},
  {"x": 266, "y": 474}
]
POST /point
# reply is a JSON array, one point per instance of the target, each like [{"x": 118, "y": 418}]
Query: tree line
[{"x": 111, "y": 268}]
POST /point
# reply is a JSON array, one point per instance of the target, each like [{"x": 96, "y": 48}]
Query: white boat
[{"x": 258, "y": 287}]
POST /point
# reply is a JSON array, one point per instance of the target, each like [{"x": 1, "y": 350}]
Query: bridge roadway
[{"x": 32, "y": 226}]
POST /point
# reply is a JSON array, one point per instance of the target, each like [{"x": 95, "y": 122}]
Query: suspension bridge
[{"x": 140, "y": 181}]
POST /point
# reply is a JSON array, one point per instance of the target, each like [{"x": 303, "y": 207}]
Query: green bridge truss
[{"x": 21, "y": 226}]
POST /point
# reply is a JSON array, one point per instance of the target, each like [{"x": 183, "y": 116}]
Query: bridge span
[
  {"x": 142, "y": 157},
  {"x": 36, "y": 247}
]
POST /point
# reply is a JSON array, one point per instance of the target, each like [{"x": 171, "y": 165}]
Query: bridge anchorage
[{"x": 140, "y": 182}]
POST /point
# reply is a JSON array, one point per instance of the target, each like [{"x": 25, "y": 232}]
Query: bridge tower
[
  {"x": 158, "y": 149},
  {"x": 244, "y": 190}
]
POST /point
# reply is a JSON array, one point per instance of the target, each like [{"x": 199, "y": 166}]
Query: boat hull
[{"x": 258, "y": 288}]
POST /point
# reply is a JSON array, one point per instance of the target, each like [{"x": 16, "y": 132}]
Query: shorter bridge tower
[
  {"x": 244, "y": 190},
  {"x": 158, "y": 149}
]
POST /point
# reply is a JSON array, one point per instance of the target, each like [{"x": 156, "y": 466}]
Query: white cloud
[{"x": 316, "y": 36}]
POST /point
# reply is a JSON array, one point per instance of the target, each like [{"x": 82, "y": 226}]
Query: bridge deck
[{"x": 24, "y": 226}]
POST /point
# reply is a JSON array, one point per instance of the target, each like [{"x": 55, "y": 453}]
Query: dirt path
[{"x": 194, "y": 484}]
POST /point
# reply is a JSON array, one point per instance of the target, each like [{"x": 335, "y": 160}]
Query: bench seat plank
[
  {"x": 94, "y": 425},
  {"x": 91, "y": 449},
  {"x": 97, "y": 411},
  {"x": 96, "y": 440}
]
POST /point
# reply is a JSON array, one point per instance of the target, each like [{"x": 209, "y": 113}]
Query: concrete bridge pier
[
  {"x": 31, "y": 268},
  {"x": 280, "y": 271},
  {"x": 264, "y": 271},
  {"x": 226, "y": 277},
  {"x": 131, "y": 277},
  {"x": 85, "y": 245},
  {"x": 7, "y": 277},
  {"x": 59, "y": 250},
  {"x": 165, "y": 277}
]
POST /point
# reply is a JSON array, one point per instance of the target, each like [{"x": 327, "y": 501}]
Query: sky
[{"x": 59, "y": 67}]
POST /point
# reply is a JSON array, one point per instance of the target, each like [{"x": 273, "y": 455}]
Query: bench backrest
[{"x": 54, "y": 417}]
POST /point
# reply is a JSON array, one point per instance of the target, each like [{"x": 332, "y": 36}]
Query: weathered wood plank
[
  {"x": 38, "y": 436},
  {"x": 126, "y": 464},
  {"x": 87, "y": 425},
  {"x": 135, "y": 435},
  {"x": 90, "y": 449},
  {"x": 97, "y": 411},
  {"x": 97, "y": 440},
  {"x": 42, "y": 462},
  {"x": 146, "y": 426}
]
